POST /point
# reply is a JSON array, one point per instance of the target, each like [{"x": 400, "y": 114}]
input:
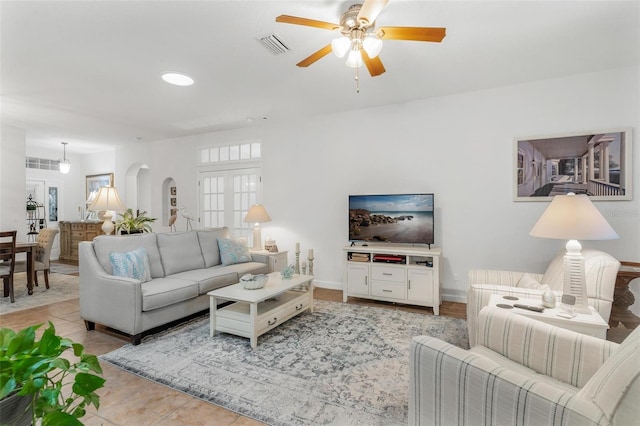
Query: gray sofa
[{"x": 183, "y": 266}]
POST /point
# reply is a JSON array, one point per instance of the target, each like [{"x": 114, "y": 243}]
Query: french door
[{"x": 225, "y": 198}]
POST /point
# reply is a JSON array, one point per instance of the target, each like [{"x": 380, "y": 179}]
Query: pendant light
[{"x": 65, "y": 165}]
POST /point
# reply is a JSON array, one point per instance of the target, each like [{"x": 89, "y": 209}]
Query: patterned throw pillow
[
  {"x": 233, "y": 251},
  {"x": 132, "y": 264}
]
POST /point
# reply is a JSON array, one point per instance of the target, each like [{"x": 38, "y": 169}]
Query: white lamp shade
[
  {"x": 340, "y": 46},
  {"x": 354, "y": 60},
  {"x": 372, "y": 45},
  {"x": 257, "y": 214},
  {"x": 573, "y": 217},
  {"x": 107, "y": 199}
]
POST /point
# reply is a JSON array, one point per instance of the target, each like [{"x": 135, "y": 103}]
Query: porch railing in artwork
[{"x": 600, "y": 188}]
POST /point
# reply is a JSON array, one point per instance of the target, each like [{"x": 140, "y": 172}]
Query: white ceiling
[{"x": 88, "y": 72}]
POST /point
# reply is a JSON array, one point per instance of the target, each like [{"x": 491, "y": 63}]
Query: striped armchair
[
  {"x": 600, "y": 270},
  {"x": 524, "y": 372}
]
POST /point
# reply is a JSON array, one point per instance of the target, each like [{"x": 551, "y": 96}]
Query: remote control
[{"x": 529, "y": 307}]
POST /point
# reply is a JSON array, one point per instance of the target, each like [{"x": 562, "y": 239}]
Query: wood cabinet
[
  {"x": 71, "y": 233},
  {"x": 395, "y": 274}
]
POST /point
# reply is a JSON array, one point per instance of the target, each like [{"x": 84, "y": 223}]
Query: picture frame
[
  {"x": 173, "y": 202},
  {"x": 95, "y": 182},
  {"x": 173, "y": 190},
  {"x": 545, "y": 166}
]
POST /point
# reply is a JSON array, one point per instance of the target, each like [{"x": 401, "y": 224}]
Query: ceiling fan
[{"x": 359, "y": 34}]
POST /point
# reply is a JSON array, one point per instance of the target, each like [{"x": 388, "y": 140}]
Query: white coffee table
[
  {"x": 258, "y": 311},
  {"x": 591, "y": 324}
]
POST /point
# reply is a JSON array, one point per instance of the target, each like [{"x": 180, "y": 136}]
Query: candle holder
[
  {"x": 311, "y": 265},
  {"x": 304, "y": 268},
  {"x": 297, "y": 261}
]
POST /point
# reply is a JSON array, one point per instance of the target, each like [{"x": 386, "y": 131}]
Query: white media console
[{"x": 394, "y": 274}]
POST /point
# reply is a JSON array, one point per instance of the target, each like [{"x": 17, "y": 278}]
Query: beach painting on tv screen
[{"x": 395, "y": 218}]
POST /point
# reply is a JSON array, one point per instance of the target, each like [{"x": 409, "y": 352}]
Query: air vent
[{"x": 273, "y": 44}]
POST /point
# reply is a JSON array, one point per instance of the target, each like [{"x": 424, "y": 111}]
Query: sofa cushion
[
  {"x": 132, "y": 264},
  {"x": 209, "y": 245},
  {"x": 210, "y": 278},
  {"x": 180, "y": 251},
  {"x": 105, "y": 244},
  {"x": 163, "y": 292},
  {"x": 233, "y": 251}
]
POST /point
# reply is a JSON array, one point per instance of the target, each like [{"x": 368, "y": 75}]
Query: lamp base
[
  {"x": 107, "y": 225},
  {"x": 257, "y": 238},
  {"x": 574, "y": 279}
]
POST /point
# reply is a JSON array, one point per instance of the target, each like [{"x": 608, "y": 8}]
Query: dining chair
[
  {"x": 44, "y": 242},
  {"x": 8, "y": 261}
]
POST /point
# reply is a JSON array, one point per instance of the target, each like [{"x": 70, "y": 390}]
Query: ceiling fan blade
[
  {"x": 412, "y": 33},
  {"x": 307, "y": 22},
  {"x": 374, "y": 65},
  {"x": 315, "y": 56},
  {"x": 370, "y": 10}
]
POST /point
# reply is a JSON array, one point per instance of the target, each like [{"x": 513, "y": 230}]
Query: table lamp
[
  {"x": 573, "y": 217},
  {"x": 257, "y": 215},
  {"x": 108, "y": 200}
]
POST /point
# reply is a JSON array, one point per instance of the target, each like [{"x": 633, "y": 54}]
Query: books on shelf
[{"x": 359, "y": 257}]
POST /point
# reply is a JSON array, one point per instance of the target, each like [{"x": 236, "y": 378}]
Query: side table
[
  {"x": 623, "y": 297},
  {"x": 277, "y": 260},
  {"x": 589, "y": 324}
]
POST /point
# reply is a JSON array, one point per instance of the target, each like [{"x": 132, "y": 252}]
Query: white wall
[
  {"x": 460, "y": 147},
  {"x": 12, "y": 181}
]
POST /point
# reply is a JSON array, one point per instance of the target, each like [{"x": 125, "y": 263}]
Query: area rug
[
  {"x": 62, "y": 287},
  {"x": 342, "y": 365},
  {"x": 63, "y": 268}
]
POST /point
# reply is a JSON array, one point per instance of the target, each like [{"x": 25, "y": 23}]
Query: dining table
[{"x": 30, "y": 249}]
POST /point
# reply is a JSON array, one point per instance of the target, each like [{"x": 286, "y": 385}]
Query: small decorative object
[
  {"x": 568, "y": 302},
  {"x": 310, "y": 259},
  {"x": 254, "y": 282},
  {"x": 297, "y": 258},
  {"x": 287, "y": 272},
  {"x": 548, "y": 298},
  {"x": 269, "y": 244},
  {"x": 187, "y": 215}
]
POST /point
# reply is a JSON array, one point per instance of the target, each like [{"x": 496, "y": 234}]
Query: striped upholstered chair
[
  {"x": 524, "y": 372},
  {"x": 600, "y": 270}
]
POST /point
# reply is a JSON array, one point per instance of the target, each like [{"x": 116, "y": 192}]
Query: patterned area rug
[
  {"x": 342, "y": 365},
  {"x": 62, "y": 287},
  {"x": 63, "y": 268}
]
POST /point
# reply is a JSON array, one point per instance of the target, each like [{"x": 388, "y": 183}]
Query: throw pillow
[
  {"x": 132, "y": 264},
  {"x": 233, "y": 251},
  {"x": 529, "y": 281}
]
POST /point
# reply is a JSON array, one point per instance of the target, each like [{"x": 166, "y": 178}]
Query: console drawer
[
  {"x": 388, "y": 273},
  {"x": 388, "y": 289}
]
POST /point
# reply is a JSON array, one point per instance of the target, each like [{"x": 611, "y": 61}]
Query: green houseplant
[
  {"x": 131, "y": 224},
  {"x": 51, "y": 388}
]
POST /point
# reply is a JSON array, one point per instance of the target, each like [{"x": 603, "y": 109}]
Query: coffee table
[
  {"x": 591, "y": 324},
  {"x": 257, "y": 311}
]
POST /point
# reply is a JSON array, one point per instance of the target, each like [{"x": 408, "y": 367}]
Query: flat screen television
[{"x": 391, "y": 218}]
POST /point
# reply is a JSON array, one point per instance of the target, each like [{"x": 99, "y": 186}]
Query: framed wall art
[
  {"x": 595, "y": 163},
  {"x": 95, "y": 182}
]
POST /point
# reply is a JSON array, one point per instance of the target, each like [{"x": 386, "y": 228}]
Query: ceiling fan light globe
[
  {"x": 372, "y": 45},
  {"x": 354, "y": 60},
  {"x": 340, "y": 46}
]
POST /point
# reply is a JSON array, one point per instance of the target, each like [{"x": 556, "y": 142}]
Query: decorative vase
[
  {"x": 287, "y": 272},
  {"x": 548, "y": 298}
]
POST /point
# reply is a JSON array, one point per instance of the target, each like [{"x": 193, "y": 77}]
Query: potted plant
[
  {"x": 132, "y": 224},
  {"x": 39, "y": 383}
]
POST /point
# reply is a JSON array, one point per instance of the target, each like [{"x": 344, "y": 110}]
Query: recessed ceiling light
[{"x": 177, "y": 79}]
